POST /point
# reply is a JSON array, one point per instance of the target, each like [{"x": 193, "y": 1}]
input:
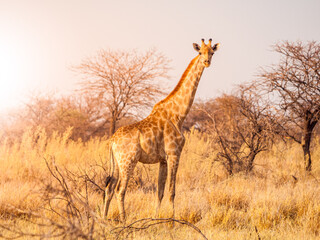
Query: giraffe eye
[{"x": 199, "y": 53}]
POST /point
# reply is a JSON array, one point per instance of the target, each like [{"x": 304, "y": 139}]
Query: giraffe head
[{"x": 206, "y": 51}]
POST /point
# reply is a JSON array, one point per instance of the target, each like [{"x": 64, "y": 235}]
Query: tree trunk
[
  {"x": 305, "y": 143},
  {"x": 112, "y": 127},
  {"x": 229, "y": 166},
  {"x": 250, "y": 161}
]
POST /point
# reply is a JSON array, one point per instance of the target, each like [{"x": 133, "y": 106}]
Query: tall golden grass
[{"x": 276, "y": 201}]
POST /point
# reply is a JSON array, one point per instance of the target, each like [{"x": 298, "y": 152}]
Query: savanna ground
[{"x": 275, "y": 201}]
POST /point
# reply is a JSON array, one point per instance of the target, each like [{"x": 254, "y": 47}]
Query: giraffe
[{"x": 157, "y": 138}]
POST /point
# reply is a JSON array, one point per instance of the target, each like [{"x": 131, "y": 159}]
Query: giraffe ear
[
  {"x": 216, "y": 47},
  {"x": 196, "y": 47}
]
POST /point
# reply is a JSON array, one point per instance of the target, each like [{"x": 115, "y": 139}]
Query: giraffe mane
[{"x": 183, "y": 77}]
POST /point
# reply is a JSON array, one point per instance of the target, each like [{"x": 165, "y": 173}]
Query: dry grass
[{"x": 277, "y": 199}]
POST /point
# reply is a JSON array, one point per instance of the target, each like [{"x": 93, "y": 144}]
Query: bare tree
[
  {"x": 240, "y": 125},
  {"x": 83, "y": 113},
  {"x": 39, "y": 109},
  {"x": 294, "y": 84},
  {"x": 37, "y": 112},
  {"x": 125, "y": 82}
]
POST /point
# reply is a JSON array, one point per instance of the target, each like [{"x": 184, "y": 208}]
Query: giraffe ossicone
[{"x": 157, "y": 138}]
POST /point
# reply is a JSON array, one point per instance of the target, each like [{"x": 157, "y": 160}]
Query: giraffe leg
[
  {"x": 121, "y": 187},
  {"x": 120, "y": 194},
  {"x": 110, "y": 191},
  {"x": 173, "y": 162},
  {"x": 161, "y": 184}
]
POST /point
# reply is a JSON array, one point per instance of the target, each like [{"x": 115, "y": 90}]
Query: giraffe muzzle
[{"x": 207, "y": 63}]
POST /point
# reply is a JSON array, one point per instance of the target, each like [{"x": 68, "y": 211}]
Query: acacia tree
[
  {"x": 241, "y": 126},
  {"x": 125, "y": 82},
  {"x": 295, "y": 87}
]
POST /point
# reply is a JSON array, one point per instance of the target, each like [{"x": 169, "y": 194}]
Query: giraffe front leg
[
  {"x": 161, "y": 184},
  {"x": 173, "y": 163}
]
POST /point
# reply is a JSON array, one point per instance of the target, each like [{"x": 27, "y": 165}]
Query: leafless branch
[{"x": 142, "y": 224}]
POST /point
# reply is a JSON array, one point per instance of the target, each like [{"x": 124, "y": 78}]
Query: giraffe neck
[{"x": 178, "y": 103}]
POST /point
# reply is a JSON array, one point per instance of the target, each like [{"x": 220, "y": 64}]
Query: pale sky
[{"x": 41, "y": 39}]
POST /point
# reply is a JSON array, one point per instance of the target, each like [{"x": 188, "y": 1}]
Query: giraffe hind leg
[
  {"x": 111, "y": 183},
  {"x": 161, "y": 185},
  {"x": 122, "y": 185},
  {"x": 107, "y": 182}
]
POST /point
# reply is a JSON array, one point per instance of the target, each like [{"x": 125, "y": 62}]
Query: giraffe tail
[
  {"x": 107, "y": 181},
  {"x": 112, "y": 167}
]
